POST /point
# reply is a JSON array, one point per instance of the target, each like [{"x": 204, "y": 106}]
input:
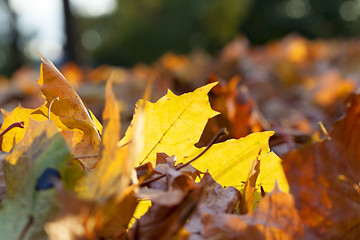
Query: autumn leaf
[
  {"x": 25, "y": 209},
  {"x": 324, "y": 179},
  {"x": 229, "y": 162},
  {"x": 164, "y": 222},
  {"x": 19, "y": 114},
  {"x": 238, "y": 109},
  {"x": 214, "y": 200},
  {"x": 77, "y": 124},
  {"x": 71, "y": 111},
  {"x": 275, "y": 218},
  {"x": 250, "y": 187},
  {"x": 107, "y": 187},
  {"x": 173, "y": 200},
  {"x": 167, "y": 124},
  {"x": 104, "y": 181}
]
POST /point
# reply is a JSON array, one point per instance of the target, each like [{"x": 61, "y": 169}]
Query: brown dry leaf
[
  {"x": 71, "y": 111},
  {"x": 240, "y": 110},
  {"x": 324, "y": 179},
  {"x": 166, "y": 165},
  {"x": 165, "y": 222},
  {"x": 173, "y": 199},
  {"x": 214, "y": 200},
  {"x": 275, "y": 218},
  {"x": 171, "y": 189}
]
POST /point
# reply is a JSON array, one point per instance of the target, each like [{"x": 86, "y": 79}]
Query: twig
[{"x": 219, "y": 134}]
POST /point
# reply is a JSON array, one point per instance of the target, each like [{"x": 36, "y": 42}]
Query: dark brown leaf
[
  {"x": 214, "y": 200},
  {"x": 275, "y": 218}
]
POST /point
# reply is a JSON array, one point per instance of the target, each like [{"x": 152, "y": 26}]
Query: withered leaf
[
  {"x": 71, "y": 111},
  {"x": 214, "y": 200},
  {"x": 275, "y": 218},
  {"x": 324, "y": 179},
  {"x": 164, "y": 222},
  {"x": 250, "y": 187}
]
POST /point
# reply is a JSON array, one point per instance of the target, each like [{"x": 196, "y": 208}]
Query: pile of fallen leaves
[{"x": 65, "y": 177}]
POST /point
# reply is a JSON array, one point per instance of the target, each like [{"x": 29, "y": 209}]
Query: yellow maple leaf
[
  {"x": 174, "y": 125},
  {"x": 19, "y": 114},
  {"x": 229, "y": 162}
]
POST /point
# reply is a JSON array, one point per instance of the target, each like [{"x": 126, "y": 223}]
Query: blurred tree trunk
[
  {"x": 16, "y": 55},
  {"x": 71, "y": 48}
]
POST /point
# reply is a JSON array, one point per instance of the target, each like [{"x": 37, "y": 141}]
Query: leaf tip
[{"x": 276, "y": 187}]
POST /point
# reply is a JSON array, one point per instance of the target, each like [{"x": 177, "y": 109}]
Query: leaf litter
[{"x": 97, "y": 185}]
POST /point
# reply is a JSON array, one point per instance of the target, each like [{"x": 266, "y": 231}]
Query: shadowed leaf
[{"x": 26, "y": 210}]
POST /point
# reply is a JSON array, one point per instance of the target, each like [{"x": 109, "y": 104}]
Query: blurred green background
[{"x": 124, "y": 32}]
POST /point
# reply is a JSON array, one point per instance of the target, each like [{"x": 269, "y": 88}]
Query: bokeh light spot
[
  {"x": 297, "y": 8},
  {"x": 349, "y": 11}
]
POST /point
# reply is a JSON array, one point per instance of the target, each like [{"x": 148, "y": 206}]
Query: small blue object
[{"x": 46, "y": 180}]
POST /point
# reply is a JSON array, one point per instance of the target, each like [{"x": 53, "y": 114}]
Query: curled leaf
[{"x": 70, "y": 110}]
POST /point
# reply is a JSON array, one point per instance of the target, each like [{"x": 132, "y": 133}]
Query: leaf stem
[
  {"x": 15, "y": 124},
  {"x": 51, "y": 103},
  {"x": 219, "y": 134}
]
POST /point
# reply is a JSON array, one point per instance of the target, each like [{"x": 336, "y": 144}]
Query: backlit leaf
[
  {"x": 19, "y": 114},
  {"x": 167, "y": 129},
  {"x": 229, "y": 162},
  {"x": 79, "y": 127},
  {"x": 107, "y": 187},
  {"x": 174, "y": 123},
  {"x": 71, "y": 111}
]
